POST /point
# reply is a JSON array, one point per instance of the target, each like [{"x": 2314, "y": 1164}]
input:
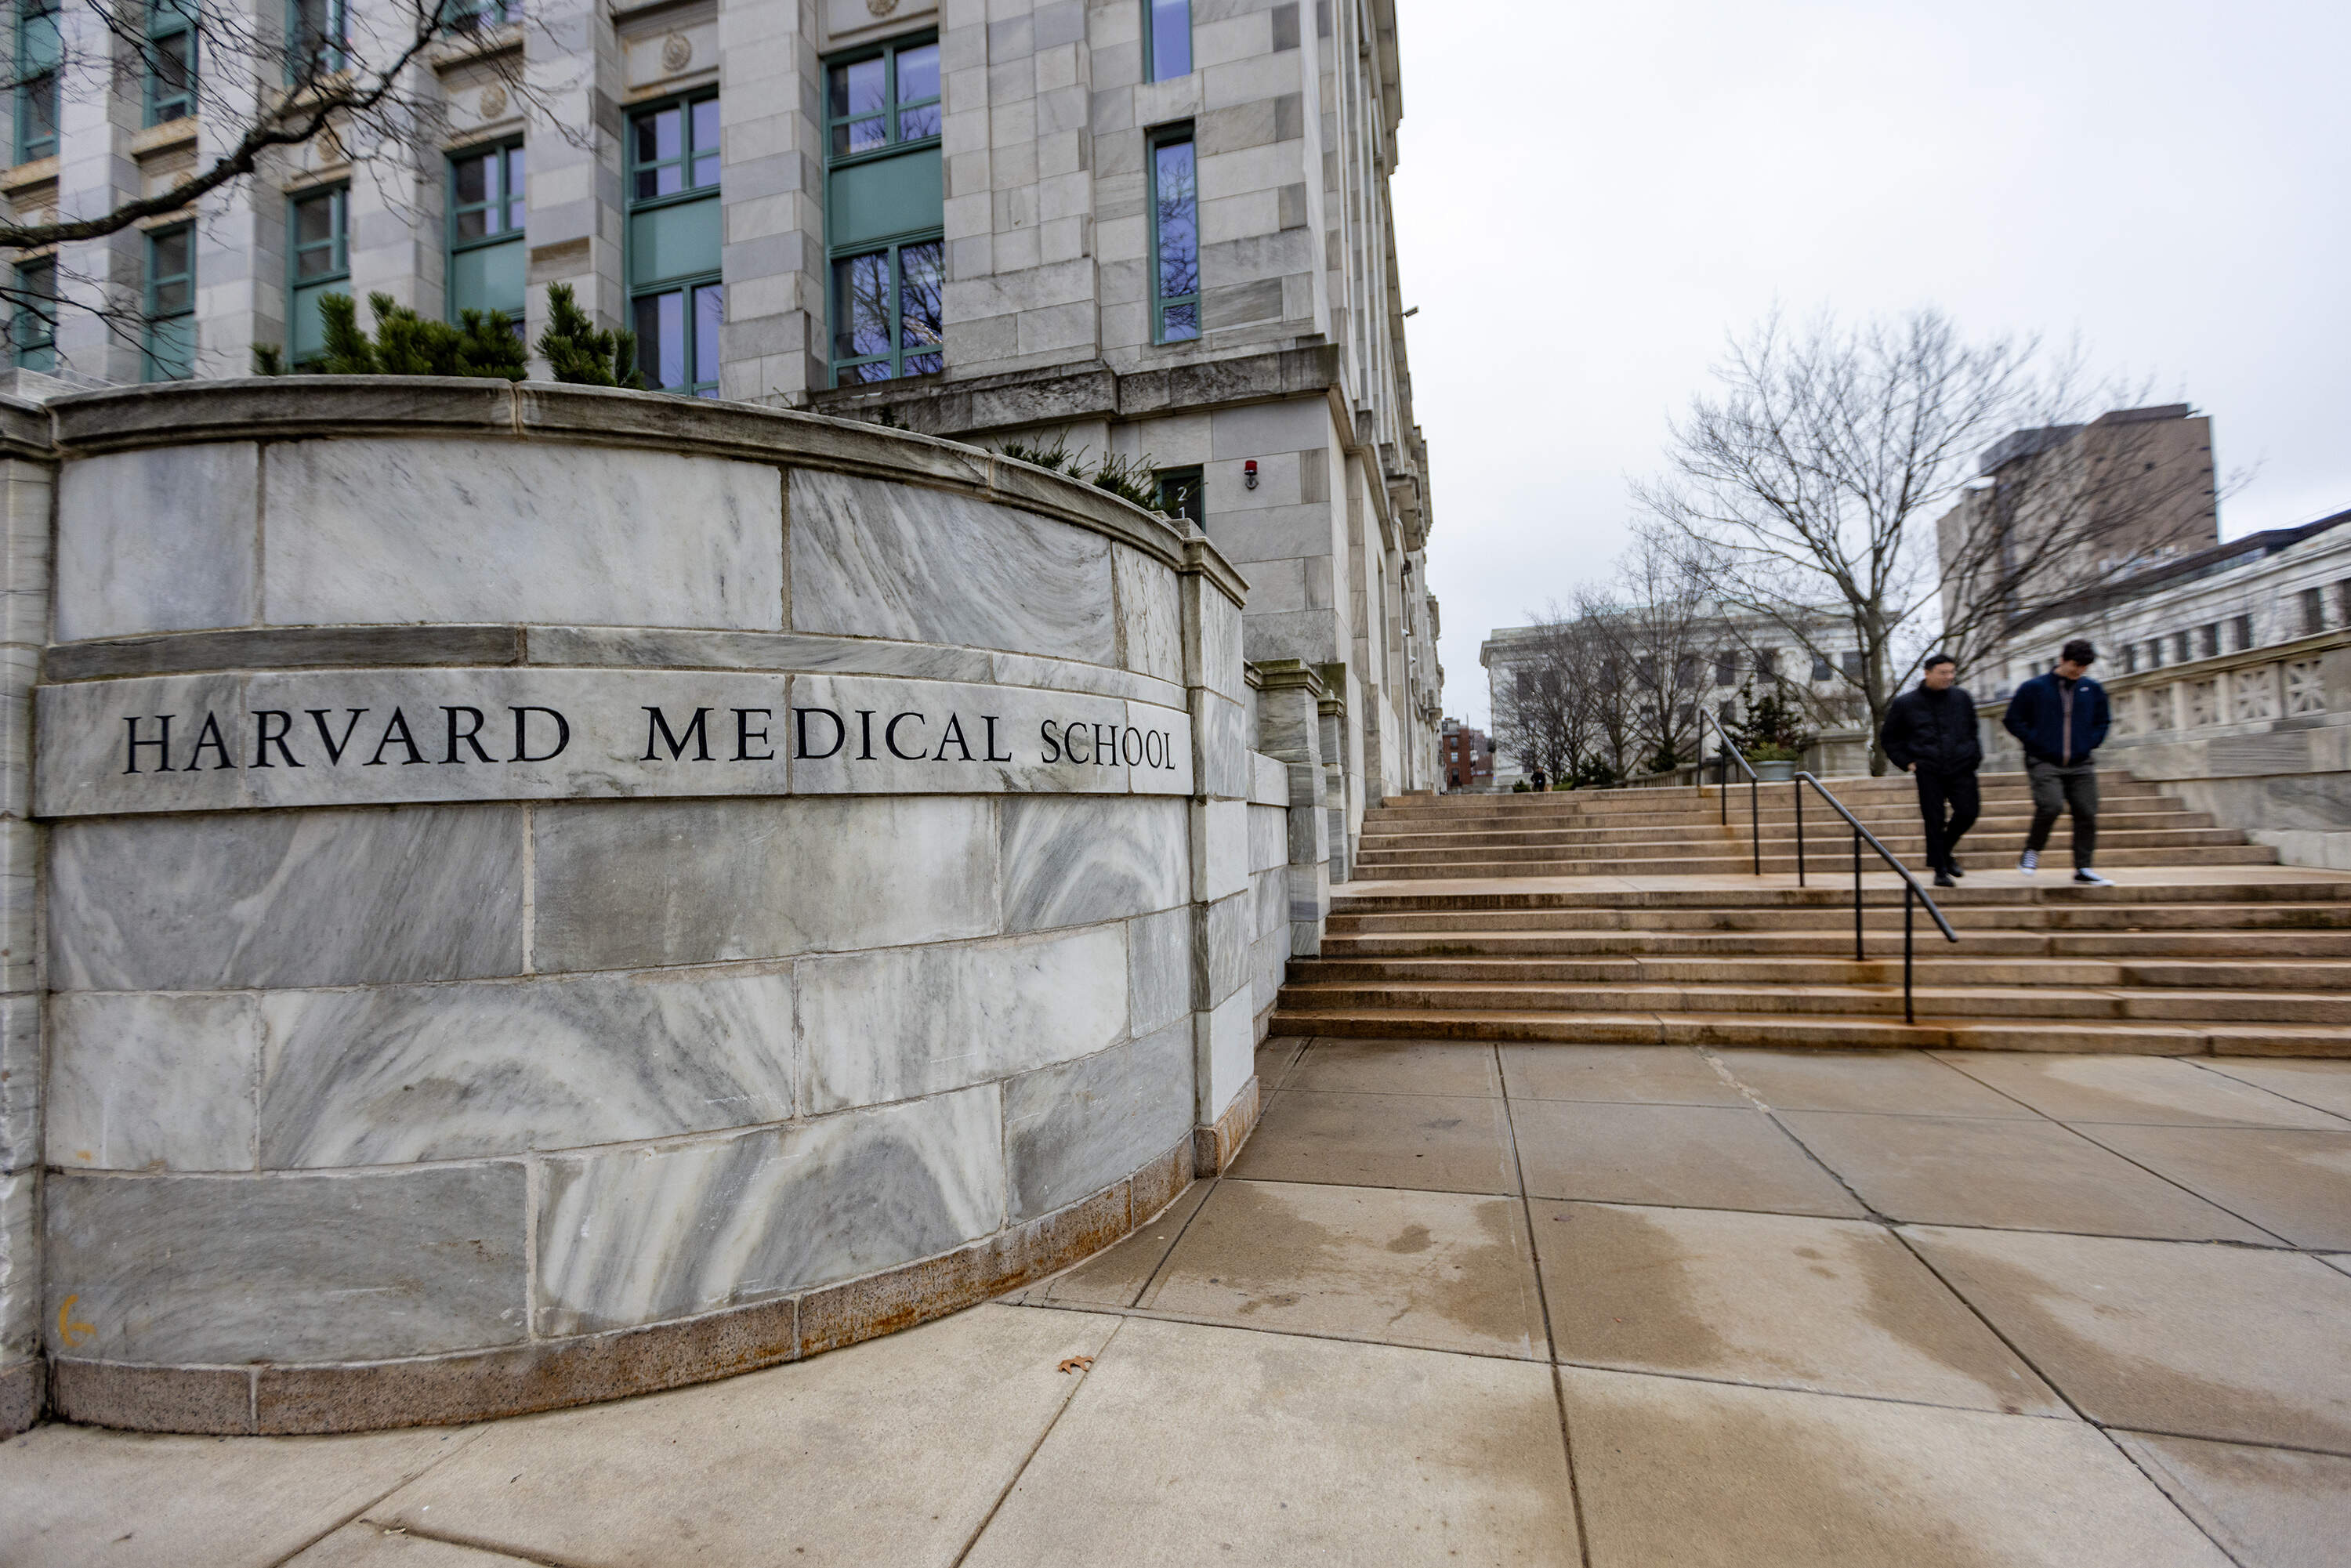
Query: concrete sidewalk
[{"x": 1459, "y": 1304}]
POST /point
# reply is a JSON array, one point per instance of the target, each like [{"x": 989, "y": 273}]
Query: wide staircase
[{"x": 2207, "y": 944}]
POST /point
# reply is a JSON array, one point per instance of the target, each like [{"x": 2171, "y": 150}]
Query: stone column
[
  {"x": 1290, "y": 728},
  {"x": 95, "y": 172},
  {"x": 1331, "y": 708},
  {"x": 771, "y": 196},
  {"x": 572, "y": 63},
  {"x": 1224, "y": 1041},
  {"x": 25, "y": 490}
]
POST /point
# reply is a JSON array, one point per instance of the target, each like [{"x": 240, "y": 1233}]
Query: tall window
[
  {"x": 171, "y": 60},
  {"x": 486, "y": 223},
  {"x": 1174, "y": 240},
  {"x": 321, "y": 225},
  {"x": 884, "y": 213},
  {"x": 1181, "y": 495},
  {"x": 170, "y": 304},
  {"x": 33, "y": 324},
  {"x": 675, "y": 301},
  {"x": 1166, "y": 39},
  {"x": 318, "y": 30},
  {"x": 36, "y": 79}
]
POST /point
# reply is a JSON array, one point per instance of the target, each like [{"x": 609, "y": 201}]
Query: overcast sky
[{"x": 1590, "y": 196}]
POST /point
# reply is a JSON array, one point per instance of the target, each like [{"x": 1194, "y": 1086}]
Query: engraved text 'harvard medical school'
[{"x": 444, "y": 734}]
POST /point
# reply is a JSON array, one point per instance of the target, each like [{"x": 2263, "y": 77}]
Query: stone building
[{"x": 1157, "y": 229}]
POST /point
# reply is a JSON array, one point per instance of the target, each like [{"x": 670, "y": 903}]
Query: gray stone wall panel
[
  {"x": 1158, "y": 969},
  {"x": 157, "y": 1081},
  {"x": 119, "y": 575},
  {"x": 1077, "y": 861},
  {"x": 1071, "y": 1129}
]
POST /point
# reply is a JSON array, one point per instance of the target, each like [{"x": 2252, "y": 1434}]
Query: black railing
[
  {"x": 1729, "y": 753},
  {"x": 1911, "y": 891}
]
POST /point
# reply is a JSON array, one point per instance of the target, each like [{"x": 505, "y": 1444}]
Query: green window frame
[
  {"x": 317, "y": 261},
  {"x": 676, "y": 300},
  {"x": 171, "y": 60},
  {"x": 170, "y": 307},
  {"x": 463, "y": 16},
  {"x": 38, "y": 51},
  {"x": 318, "y": 33},
  {"x": 33, "y": 322},
  {"x": 486, "y": 269},
  {"x": 1175, "y": 236},
  {"x": 1166, "y": 39},
  {"x": 884, "y": 211}
]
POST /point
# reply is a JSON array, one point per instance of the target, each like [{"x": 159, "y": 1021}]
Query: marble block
[
  {"x": 1158, "y": 969},
  {"x": 871, "y": 558},
  {"x": 20, "y": 1263},
  {"x": 1074, "y": 1129},
  {"x": 20, "y": 1081},
  {"x": 665, "y": 648},
  {"x": 26, "y": 494},
  {"x": 638, "y": 1236},
  {"x": 1220, "y": 750},
  {"x": 365, "y": 531},
  {"x": 20, "y": 859},
  {"x": 120, "y": 574},
  {"x": 1271, "y": 892},
  {"x": 634, "y": 883},
  {"x": 1070, "y": 675},
  {"x": 1075, "y": 861},
  {"x": 154, "y": 1080},
  {"x": 866, "y": 735},
  {"x": 228, "y": 1269},
  {"x": 1224, "y": 1058},
  {"x": 1220, "y": 848},
  {"x": 1212, "y": 640},
  {"x": 435, "y": 1073},
  {"x": 1268, "y": 780},
  {"x": 905, "y": 1021},
  {"x": 1220, "y": 952},
  {"x": 285, "y": 898},
  {"x": 1268, "y": 837},
  {"x": 1151, "y": 614}
]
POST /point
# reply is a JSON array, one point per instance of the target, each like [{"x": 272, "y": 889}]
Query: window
[
  {"x": 1853, "y": 665},
  {"x": 2130, "y": 658},
  {"x": 2208, "y": 640},
  {"x": 1181, "y": 493},
  {"x": 1767, "y": 663},
  {"x": 318, "y": 30},
  {"x": 1174, "y": 240},
  {"x": 1822, "y": 669},
  {"x": 474, "y": 15},
  {"x": 171, "y": 60},
  {"x": 675, "y": 301},
  {"x": 485, "y": 225},
  {"x": 884, "y": 213},
  {"x": 36, "y": 79},
  {"x": 33, "y": 325},
  {"x": 171, "y": 346},
  {"x": 1726, "y": 669},
  {"x": 2241, "y": 629},
  {"x": 2314, "y": 611},
  {"x": 2155, "y": 652},
  {"x": 1166, "y": 39},
  {"x": 320, "y": 221}
]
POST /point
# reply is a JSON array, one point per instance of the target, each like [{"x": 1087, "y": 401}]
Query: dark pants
[
  {"x": 1939, "y": 793},
  {"x": 2070, "y": 789}
]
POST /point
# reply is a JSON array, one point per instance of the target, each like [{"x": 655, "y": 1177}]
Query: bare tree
[
  {"x": 1652, "y": 616},
  {"x": 1809, "y": 491},
  {"x": 265, "y": 80}
]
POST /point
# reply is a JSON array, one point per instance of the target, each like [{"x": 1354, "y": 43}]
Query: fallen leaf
[{"x": 1077, "y": 1363}]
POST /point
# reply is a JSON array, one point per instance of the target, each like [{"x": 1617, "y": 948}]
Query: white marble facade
[{"x": 519, "y": 1061}]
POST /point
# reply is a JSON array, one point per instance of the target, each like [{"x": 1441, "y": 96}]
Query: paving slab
[
  {"x": 1641, "y": 1074},
  {"x": 1836, "y": 1306},
  {"x": 1274, "y": 1059},
  {"x": 889, "y": 1451},
  {"x": 1397, "y": 1067},
  {"x": 1192, "y": 1444},
  {"x": 2324, "y": 1082},
  {"x": 2294, "y": 1181},
  {"x": 2160, "y": 1089},
  {"x": 88, "y": 1497},
  {"x": 1442, "y": 1270},
  {"x": 2244, "y": 1344},
  {"x": 1693, "y": 1157},
  {"x": 2268, "y": 1508},
  {"x": 1115, "y": 1276},
  {"x": 1908, "y": 1083},
  {"x": 2024, "y": 1175},
  {"x": 360, "y": 1544},
  {"x": 1448, "y": 1143},
  {"x": 1709, "y": 1475}
]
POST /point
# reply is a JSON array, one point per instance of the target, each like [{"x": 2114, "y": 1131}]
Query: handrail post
[
  {"x": 1798, "y": 786},
  {"x": 1755, "y": 823},
  {"x": 1722, "y": 780},
  {"x": 1908, "y": 1015},
  {"x": 1856, "y": 895}
]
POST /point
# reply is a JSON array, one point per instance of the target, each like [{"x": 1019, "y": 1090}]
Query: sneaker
[
  {"x": 2090, "y": 878},
  {"x": 1943, "y": 879},
  {"x": 1953, "y": 867},
  {"x": 2029, "y": 861}
]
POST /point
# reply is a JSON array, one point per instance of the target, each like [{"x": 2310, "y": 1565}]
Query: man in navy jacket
[{"x": 2061, "y": 718}]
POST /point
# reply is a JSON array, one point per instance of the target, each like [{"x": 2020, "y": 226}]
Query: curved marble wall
[{"x": 552, "y": 894}]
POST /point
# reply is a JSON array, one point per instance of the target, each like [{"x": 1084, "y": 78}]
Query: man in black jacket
[
  {"x": 1931, "y": 734},
  {"x": 2060, "y": 718}
]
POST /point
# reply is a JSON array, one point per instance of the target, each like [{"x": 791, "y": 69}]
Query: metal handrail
[
  {"x": 1910, "y": 888},
  {"x": 1728, "y": 755}
]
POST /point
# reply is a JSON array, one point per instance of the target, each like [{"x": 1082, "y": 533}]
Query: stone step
[
  {"x": 1745, "y": 893},
  {"x": 1818, "y": 847},
  {"x": 1307, "y": 995},
  {"x": 1815, "y": 1033},
  {"x": 2056, "y": 863},
  {"x": 1782, "y": 827},
  {"x": 1780, "y": 810},
  {"x": 1938, "y": 963},
  {"x": 1832, "y": 937},
  {"x": 1440, "y": 924}
]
